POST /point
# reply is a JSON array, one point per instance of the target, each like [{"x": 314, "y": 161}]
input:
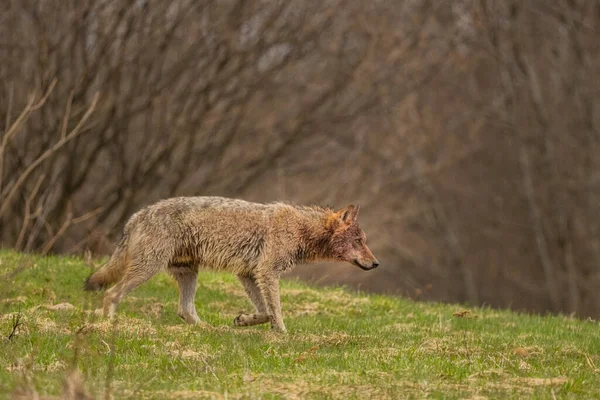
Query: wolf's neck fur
[{"x": 314, "y": 232}]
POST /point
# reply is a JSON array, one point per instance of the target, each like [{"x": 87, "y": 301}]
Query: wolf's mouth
[{"x": 359, "y": 265}]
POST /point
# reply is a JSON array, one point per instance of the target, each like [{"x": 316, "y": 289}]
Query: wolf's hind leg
[
  {"x": 187, "y": 279},
  {"x": 138, "y": 273},
  {"x": 252, "y": 290}
]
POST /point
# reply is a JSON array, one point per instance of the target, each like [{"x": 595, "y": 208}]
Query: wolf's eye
[{"x": 358, "y": 241}]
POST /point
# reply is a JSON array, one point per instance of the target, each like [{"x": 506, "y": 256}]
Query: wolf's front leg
[
  {"x": 260, "y": 316},
  {"x": 269, "y": 288},
  {"x": 253, "y": 293}
]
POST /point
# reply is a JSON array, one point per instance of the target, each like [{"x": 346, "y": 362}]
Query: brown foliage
[{"x": 468, "y": 130}]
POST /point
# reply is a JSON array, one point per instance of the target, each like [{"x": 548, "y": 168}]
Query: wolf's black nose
[{"x": 375, "y": 264}]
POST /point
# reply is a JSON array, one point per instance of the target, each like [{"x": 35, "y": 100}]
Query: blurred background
[{"x": 469, "y": 131}]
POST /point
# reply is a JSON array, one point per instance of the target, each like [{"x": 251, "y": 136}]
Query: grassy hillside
[{"x": 340, "y": 344}]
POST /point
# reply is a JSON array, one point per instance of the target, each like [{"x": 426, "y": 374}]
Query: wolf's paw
[
  {"x": 279, "y": 329},
  {"x": 191, "y": 319},
  {"x": 250, "y": 319},
  {"x": 241, "y": 320}
]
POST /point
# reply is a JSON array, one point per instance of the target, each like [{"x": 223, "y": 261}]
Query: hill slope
[{"x": 341, "y": 344}]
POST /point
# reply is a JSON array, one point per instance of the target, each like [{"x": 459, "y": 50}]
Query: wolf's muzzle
[{"x": 373, "y": 265}]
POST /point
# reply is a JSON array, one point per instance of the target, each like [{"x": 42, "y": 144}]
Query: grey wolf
[{"x": 257, "y": 242}]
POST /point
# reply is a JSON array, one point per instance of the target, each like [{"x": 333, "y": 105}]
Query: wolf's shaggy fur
[{"x": 257, "y": 242}]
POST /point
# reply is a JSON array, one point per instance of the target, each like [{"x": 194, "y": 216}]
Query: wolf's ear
[{"x": 348, "y": 214}]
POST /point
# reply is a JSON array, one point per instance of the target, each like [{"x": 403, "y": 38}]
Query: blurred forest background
[{"x": 468, "y": 130}]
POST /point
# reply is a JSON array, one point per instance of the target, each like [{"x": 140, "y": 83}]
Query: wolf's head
[{"x": 348, "y": 241}]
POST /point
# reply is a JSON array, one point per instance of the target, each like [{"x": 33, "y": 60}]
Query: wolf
[{"x": 257, "y": 242}]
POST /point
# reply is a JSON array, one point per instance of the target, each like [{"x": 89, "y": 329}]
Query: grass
[{"x": 340, "y": 344}]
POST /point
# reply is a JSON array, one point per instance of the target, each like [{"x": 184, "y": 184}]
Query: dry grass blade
[{"x": 16, "y": 324}]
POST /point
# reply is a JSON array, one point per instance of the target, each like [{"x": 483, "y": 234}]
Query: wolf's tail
[{"x": 112, "y": 271}]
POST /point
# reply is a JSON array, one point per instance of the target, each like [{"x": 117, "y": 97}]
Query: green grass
[{"x": 340, "y": 344}]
